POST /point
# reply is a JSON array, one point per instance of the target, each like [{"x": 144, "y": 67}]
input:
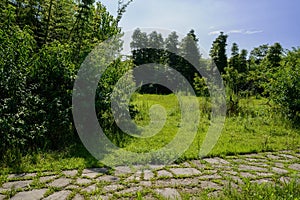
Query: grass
[
  {"x": 253, "y": 191},
  {"x": 254, "y": 128}
]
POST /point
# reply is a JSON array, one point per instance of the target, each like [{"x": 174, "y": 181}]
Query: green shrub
[{"x": 285, "y": 87}]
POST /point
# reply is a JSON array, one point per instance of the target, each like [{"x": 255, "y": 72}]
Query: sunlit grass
[{"x": 254, "y": 128}]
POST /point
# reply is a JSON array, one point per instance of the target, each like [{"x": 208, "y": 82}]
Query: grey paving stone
[
  {"x": 23, "y": 175},
  {"x": 2, "y": 190},
  {"x": 82, "y": 181},
  {"x": 70, "y": 187},
  {"x": 273, "y": 157},
  {"x": 48, "y": 173},
  {"x": 95, "y": 170},
  {"x": 250, "y": 168},
  {"x": 254, "y": 155},
  {"x": 279, "y": 170},
  {"x": 122, "y": 170},
  {"x": 231, "y": 172},
  {"x": 30, "y": 195},
  {"x": 198, "y": 164},
  {"x": 280, "y": 165},
  {"x": 261, "y": 164},
  {"x": 169, "y": 193},
  {"x": 183, "y": 182},
  {"x": 130, "y": 190},
  {"x": 247, "y": 175},
  {"x": 61, "y": 182},
  {"x": 108, "y": 178},
  {"x": 264, "y": 174},
  {"x": 47, "y": 178},
  {"x": 78, "y": 197},
  {"x": 176, "y": 182},
  {"x": 209, "y": 185},
  {"x": 164, "y": 173},
  {"x": 148, "y": 175},
  {"x": 70, "y": 173},
  {"x": 238, "y": 160},
  {"x": 251, "y": 160},
  {"x": 156, "y": 167},
  {"x": 90, "y": 188},
  {"x": 111, "y": 188},
  {"x": 185, "y": 171},
  {"x": 146, "y": 183},
  {"x": 288, "y": 156},
  {"x": 261, "y": 181},
  {"x": 137, "y": 176},
  {"x": 186, "y": 164},
  {"x": 2, "y": 197},
  {"x": 295, "y": 166},
  {"x": 210, "y": 176},
  {"x": 174, "y": 166},
  {"x": 91, "y": 175},
  {"x": 216, "y": 161},
  {"x": 16, "y": 184},
  {"x": 61, "y": 195}
]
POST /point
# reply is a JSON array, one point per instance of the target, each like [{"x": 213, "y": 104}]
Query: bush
[
  {"x": 285, "y": 86},
  {"x": 19, "y": 122}
]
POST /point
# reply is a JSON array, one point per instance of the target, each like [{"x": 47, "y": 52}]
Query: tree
[
  {"x": 172, "y": 44},
  {"x": 264, "y": 63},
  {"x": 258, "y": 54},
  {"x": 236, "y": 71},
  {"x": 191, "y": 56},
  {"x": 243, "y": 65},
  {"x": 155, "y": 45},
  {"x": 218, "y": 52},
  {"x": 138, "y": 47},
  {"x": 43, "y": 44},
  {"x": 285, "y": 87}
]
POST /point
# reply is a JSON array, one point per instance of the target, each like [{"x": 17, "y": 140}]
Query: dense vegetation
[{"x": 43, "y": 43}]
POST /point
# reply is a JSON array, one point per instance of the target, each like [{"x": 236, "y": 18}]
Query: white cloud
[
  {"x": 215, "y": 32},
  {"x": 253, "y": 32},
  {"x": 236, "y": 31},
  {"x": 245, "y": 32}
]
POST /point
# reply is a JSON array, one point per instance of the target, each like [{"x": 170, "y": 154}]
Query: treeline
[
  {"x": 180, "y": 55},
  {"x": 268, "y": 71},
  {"x": 42, "y": 44}
]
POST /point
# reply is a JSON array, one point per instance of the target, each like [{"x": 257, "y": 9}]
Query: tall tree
[
  {"x": 172, "y": 50},
  {"x": 138, "y": 47},
  {"x": 190, "y": 52},
  {"x": 155, "y": 45},
  {"x": 243, "y": 67},
  {"x": 218, "y": 52},
  {"x": 172, "y": 43},
  {"x": 258, "y": 54}
]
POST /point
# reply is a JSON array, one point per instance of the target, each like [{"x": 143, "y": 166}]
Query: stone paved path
[{"x": 154, "y": 182}]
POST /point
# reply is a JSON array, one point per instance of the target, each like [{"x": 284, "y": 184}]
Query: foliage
[
  {"x": 42, "y": 46},
  {"x": 218, "y": 52},
  {"x": 285, "y": 87},
  {"x": 182, "y": 56},
  {"x": 19, "y": 129}
]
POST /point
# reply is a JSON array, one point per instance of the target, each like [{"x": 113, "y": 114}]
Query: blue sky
[{"x": 248, "y": 23}]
